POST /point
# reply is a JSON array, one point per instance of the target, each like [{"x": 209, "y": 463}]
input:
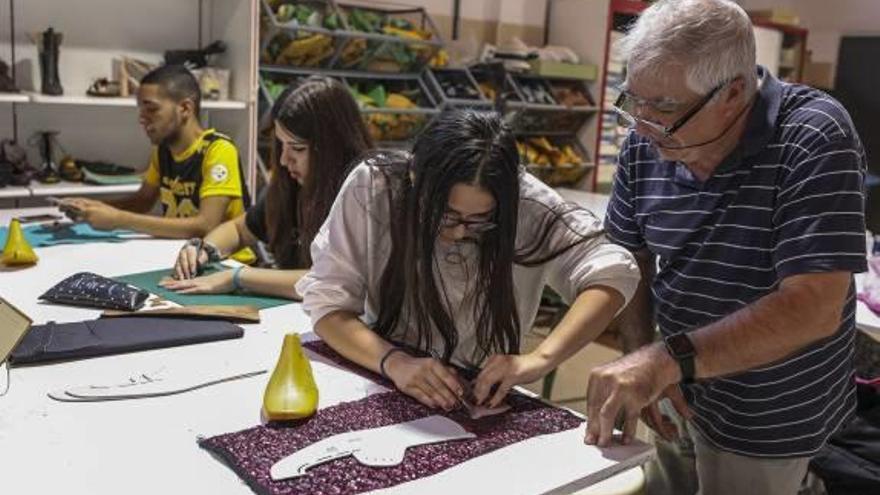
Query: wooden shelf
[
  {"x": 798, "y": 31},
  {"x": 64, "y": 188},
  {"x": 14, "y": 192},
  {"x": 118, "y": 101},
  {"x": 14, "y": 98}
]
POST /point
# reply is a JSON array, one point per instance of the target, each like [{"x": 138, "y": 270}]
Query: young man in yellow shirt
[{"x": 194, "y": 172}]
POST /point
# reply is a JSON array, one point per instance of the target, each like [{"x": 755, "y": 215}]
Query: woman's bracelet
[
  {"x": 236, "y": 278},
  {"x": 385, "y": 358}
]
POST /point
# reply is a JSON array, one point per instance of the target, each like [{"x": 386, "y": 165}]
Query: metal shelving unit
[
  {"x": 345, "y": 40},
  {"x": 438, "y": 88},
  {"x": 559, "y": 123},
  {"x": 438, "y": 79},
  {"x": 357, "y": 58},
  {"x": 428, "y": 107}
]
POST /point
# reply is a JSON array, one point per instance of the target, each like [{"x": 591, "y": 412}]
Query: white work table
[{"x": 149, "y": 445}]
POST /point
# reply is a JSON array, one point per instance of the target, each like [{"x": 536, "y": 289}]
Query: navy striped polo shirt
[{"x": 789, "y": 200}]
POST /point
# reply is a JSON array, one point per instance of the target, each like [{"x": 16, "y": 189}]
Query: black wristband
[
  {"x": 211, "y": 250},
  {"x": 385, "y": 358},
  {"x": 681, "y": 349}
]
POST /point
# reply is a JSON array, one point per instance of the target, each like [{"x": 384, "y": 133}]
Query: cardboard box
[
  {"x": 548, "y": 68},
  {"x": 819, "y": 74},
  {"x": 779, "y": 15}
]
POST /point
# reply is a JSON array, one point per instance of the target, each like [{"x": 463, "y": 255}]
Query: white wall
[
  {"x": 828, "y": 21},
  {"x": 522, "y": 12}
]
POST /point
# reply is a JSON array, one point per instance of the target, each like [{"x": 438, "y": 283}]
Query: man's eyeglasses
[
  {"x": 626, "y": 104},
  {"x": 452, "y": 220}
]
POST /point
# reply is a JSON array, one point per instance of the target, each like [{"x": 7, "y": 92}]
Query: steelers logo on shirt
[{"x": 219, "y": 173}]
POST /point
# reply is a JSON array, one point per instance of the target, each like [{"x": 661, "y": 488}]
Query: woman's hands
[{"x": 425, "y": 379}]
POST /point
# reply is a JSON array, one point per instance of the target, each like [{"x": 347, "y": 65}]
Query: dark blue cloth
[
  {"x": 107, "y": 336},
  {"x": 789, "y": 200}
]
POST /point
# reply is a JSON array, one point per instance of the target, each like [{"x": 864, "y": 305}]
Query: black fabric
[
  {"x": 93, "y": 290},
  {"x": 92, "y": 338},
  {"x": 850, "y": 463},
  {"x": 255, "y": 218}
]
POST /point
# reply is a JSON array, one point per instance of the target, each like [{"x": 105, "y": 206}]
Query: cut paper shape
[
  {"x": 477, "y": 412},
  {"x": 380, "y": 447},
  {"x": 147, "y": 385}
]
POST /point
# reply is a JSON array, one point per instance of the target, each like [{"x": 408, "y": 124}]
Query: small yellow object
[
  {"x": 441, "y": 59},
  {"x": 291, "y": 392},
  {"x": 397, "y": 100},
  {"x": 17, "y": 250}
]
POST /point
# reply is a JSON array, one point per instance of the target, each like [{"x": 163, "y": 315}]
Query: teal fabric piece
[
  {"x": 150, "y": 281},
  {"x": 65, "y": 233},
  {"x": 107, "y": 180}
]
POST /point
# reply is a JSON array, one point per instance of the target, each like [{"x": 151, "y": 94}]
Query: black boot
[
  {"x": 48, "y": 174},
  {"x": 48, "y": 45},
  {"x": 7, "y": 85}
]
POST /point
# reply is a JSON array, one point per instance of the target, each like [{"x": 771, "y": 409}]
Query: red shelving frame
[{"x": 620, "y": 7}]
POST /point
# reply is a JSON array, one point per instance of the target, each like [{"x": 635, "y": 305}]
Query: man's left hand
[{"x": 623, "y": 388}]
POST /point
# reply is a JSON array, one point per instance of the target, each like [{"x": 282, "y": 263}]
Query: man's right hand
[
  {"x": 188, "y": 262},
  {"x": 425, "y": 379}
]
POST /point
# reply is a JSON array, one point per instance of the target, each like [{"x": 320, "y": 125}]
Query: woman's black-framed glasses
[
  {"x": 626, "y": 102},
  {"x": 452, "y": 220}
]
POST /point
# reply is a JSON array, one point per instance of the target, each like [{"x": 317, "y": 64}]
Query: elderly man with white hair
[{"x": 742, "y": 196}]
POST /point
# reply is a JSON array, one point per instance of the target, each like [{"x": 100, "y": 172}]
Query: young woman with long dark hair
[
  {"x": 318, "y": 134},
  {"x": 435, "y": 262}
]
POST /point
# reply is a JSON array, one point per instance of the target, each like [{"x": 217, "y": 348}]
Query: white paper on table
[
  {"x": 385, "y": 446},
  {"x": 154, "y": 384}
]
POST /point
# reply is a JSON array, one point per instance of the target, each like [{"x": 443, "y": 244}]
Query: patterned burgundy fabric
[{"x": 252, "y": 452}]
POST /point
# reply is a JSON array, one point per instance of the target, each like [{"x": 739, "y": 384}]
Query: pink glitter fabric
[{"x": 252, "y": 452}]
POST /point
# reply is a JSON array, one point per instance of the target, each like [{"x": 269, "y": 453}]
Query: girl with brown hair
[{"x": 318, "y": 133}]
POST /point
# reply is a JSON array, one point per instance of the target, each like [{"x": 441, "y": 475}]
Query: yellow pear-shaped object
[
  {"x": 291, "y": 392},
  {"x": 17, "y": 250}
]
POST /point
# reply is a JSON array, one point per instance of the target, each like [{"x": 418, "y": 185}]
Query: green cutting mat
[{"x": 150, "y": 281}]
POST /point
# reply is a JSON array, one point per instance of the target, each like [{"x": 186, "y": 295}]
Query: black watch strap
[
  {"x": 681, "y": 348},
  {"x": 211, "y": 250}
]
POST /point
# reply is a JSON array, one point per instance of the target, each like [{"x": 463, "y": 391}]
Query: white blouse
[{"x": 351, "y": 249}]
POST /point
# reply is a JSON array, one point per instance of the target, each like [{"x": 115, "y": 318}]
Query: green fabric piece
[
  {"x": 109, "y": 180},
  {"x": 150, "y": 281}
]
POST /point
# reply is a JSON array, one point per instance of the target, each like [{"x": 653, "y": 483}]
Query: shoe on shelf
[
  {"x": 69, "y": 170},
  {"x": 104, "y": 87},
  {"x": 16, "y": 158},
  {"x": 7, "y": 85},
  {"x": 48, "y": 175}
]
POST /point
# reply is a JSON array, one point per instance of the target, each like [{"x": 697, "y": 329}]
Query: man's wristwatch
[{"x": 681, "y": 349}]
